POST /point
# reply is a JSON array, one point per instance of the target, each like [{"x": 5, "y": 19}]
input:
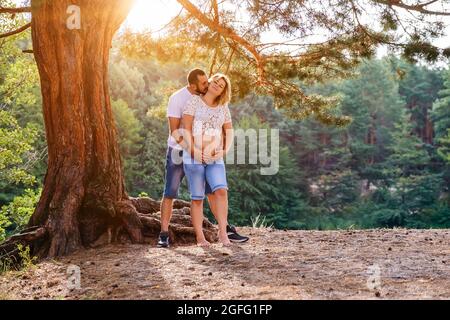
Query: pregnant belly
[{"x": 210, "y": 145}]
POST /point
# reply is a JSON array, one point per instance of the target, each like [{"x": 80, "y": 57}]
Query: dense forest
[{"x": 390, "y": 167}]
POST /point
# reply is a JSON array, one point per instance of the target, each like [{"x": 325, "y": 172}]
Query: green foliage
[
  {"x": 336, "y": 189},
  {"x": 260, "y": 222},
  {"x": 441, "y": 108},
  {"x": 152, "y": 158},
  {"x": 4, "y": 223},
  {"x": 408, "y": 154},
  {"x": 444, "y": 150},
  {"x": 18, "y": 76},
  {"x": 15, "y": 215},
  {"x": 22, "y": 134},
  {"x": 27, "y": 261},
  {"x": 130, "y": 139},
  {"x": 441, "y": 119},
  {"x": 273, "y": 197},
  {"x": 127, "y": 84},
  {"x": 419, "y": 87},
  {"x": 15, "y": 144},
  {"x": 6, "y": 264}
]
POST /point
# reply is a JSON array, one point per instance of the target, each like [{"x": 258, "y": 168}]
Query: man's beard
[{"x": 198, "y": 92}]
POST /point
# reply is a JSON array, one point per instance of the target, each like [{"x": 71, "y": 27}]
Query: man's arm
[
  {"x": 188, "y": 141},
  {"x": 175, "y": 132},
  {"x": 174, "y": 115}
]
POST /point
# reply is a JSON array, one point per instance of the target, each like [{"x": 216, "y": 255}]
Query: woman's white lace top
[{"x": 207, "y": 120}]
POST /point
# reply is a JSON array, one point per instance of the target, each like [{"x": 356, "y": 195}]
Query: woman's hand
[
  {"x": 217, "y": 156},
  {"x": 197, "y": 155}
]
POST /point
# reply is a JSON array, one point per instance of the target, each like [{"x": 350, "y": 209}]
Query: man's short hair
[{"x": 194, "y": 74}]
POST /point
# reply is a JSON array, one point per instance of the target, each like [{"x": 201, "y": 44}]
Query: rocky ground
[{"x": 275, "y": 264}]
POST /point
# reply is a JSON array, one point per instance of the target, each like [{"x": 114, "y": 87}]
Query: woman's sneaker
[
  {"x": 234, "y": 236},
  {"x": 163, "y": 240}
]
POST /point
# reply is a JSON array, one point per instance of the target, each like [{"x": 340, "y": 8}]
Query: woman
[{"x": 208, "y": 135}]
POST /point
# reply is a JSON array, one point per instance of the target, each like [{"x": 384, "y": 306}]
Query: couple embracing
[{"x": 201, "y": 133}]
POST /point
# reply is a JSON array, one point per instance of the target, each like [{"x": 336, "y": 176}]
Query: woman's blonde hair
[{"x": 225, "y": 96}]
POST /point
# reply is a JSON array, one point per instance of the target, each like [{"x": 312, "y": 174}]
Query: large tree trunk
[
  {"x": 84, "y": 202},
  {"x": 84, "y": 195}
]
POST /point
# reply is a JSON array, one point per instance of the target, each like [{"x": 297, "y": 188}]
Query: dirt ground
[{"x": 275, "y": 264}]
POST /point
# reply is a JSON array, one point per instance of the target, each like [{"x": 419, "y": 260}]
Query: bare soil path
[{"x": 275, "y": 264}]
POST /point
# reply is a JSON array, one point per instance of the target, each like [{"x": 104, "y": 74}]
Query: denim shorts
[
  {"x": 204, "y": 178},
  {"x": 175, "y": 174}
]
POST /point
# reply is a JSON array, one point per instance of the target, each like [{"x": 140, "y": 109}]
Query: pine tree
[
  {"x": 419, "y": 87},
  {"x": 441, "y": 121},
  {"x": 375, "y": 105},
  {"x": 275, "y": 198},
  {"x": 414, "y": 189}
]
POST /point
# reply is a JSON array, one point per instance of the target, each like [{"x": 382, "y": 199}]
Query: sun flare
[{"x": 152, "y": 14}]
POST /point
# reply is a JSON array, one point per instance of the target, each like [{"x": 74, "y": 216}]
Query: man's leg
[
  {"x": 166, "y": 213},
  {"x": 174, "y": 176}
]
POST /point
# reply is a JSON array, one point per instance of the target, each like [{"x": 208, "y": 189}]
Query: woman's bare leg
[
  {"x": 221, "y": 208},
  {"x": 197, "y": 222}
]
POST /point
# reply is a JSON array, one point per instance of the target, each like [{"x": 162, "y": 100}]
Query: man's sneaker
[
  {"x": 234, "y": 236},
  {"x": 163, "y": 240}
]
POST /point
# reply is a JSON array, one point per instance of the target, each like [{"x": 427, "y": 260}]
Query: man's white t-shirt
[{"x": 177, "y": 102}]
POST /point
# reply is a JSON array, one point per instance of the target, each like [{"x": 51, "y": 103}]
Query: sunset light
[
  {"x": 152, "y": 15},
  {"x": 232, "y": 157}
]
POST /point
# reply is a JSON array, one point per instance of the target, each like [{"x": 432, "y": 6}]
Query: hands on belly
[{"x": 211, "y": 147}]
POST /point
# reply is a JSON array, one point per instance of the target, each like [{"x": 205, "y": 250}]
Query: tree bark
[
  {"x": 84, "y": 195},
  {"x": 428, "y": 128}
]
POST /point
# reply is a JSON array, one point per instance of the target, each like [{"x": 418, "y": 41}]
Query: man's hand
[{"x": 210, "y": 159}]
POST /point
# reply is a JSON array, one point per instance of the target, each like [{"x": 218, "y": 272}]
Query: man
[{"x": 197, "y": 85}]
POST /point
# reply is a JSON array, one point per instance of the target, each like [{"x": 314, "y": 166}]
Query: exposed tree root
[
  {"x": 148, "y": 205},
  {"x": 180, "y": 230},
  {"x": 135, "y": 221},
  {"x": 9, "y": 251}
]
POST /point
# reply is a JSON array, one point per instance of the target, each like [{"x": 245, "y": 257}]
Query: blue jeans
[
  {"x": 203, "y": 178},
  {"x": 175, "y": 174}
]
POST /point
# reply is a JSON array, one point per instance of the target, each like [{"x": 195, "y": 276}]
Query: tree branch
[
  {"x": 215, "y": 7},
  {"x": 15, "y": 10},
  {"x": 216, "y": 11},
  {"x": 420, "y": 7},
  {"x": 228, "y": 33},
  {"x": 11, "y": 33}
]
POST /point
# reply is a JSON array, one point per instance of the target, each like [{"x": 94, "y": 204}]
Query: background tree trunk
[{"x": 84, "y": 195}]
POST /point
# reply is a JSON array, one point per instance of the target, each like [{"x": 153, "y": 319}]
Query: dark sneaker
[
  {"x": 163, "y": 240},
  {"x": 234, "y": 236}
]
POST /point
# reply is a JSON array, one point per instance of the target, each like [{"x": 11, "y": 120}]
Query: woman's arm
[
  {"x": 228, "y": 137},
  {"x": 227, "y": 140},
  {"x": 228, "y": 131}
]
